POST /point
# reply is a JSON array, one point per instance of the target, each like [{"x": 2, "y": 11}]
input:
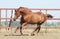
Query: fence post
[
  {"x": 6, "y": 20},
  {"x": 46, "y": 24},
  {"x": 0, "y": 19},
  {"x": 40, "y": 10},
  {"x": 6, "y": 17},
  {"x": 10, "y": 26},
  {"x": 11, "y": 20}
]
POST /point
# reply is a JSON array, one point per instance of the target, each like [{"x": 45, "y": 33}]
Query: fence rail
[
  {"x": 46, "y": 9},
  {"x": 31, "y": 9},
  {"x": 19, "y": 19}
]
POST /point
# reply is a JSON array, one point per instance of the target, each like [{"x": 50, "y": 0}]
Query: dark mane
[{"x": 27, "y": 9}]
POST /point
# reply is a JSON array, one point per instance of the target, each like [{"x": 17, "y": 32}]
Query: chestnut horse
[{"x": 29, "y": 17}]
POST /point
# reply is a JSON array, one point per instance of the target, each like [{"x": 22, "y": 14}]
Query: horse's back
[{"x": 35, "y": 17}]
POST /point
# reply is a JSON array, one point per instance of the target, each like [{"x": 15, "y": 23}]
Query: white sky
[{"x": 30, "y": 3}]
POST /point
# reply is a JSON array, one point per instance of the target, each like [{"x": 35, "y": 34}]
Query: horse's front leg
[
  {"x": 22, "y": 25},
  {"x": 16, "y": 29},
  {"x": 21, "y": 28}
]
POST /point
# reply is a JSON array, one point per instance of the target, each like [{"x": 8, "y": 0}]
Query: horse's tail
[{"x": 49, "y": 16}]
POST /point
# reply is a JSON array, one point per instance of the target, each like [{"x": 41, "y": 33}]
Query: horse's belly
[
  {"x": 37, "y": 20},
  {"x": 34, "y": 20}
]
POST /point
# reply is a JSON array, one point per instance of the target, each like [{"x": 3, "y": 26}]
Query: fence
[{"x": 45, "y": 9}]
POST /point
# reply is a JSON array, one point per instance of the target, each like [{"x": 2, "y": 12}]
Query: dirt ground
[{"x": 43, "y": 34}]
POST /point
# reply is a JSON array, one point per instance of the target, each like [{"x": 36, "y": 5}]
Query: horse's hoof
[{"x": 32, "y": 34}]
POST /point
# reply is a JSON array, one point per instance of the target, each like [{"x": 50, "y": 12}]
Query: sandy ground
[{"x": 43, "y": 34}]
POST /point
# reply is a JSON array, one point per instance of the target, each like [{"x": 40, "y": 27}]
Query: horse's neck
[{"x": 25, "y": 13}]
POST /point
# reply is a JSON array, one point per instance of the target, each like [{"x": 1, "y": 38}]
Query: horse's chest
[
  {"x": 25, "y": 18},
  {"x": 22, "y": 19}
]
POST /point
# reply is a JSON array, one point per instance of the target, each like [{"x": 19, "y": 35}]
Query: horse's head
[
  {"x": 16, "y": 15},
  {"x": 20, "y": 11}
]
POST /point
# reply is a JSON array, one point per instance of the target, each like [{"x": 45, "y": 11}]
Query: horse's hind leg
[
  {"x": 35, "y": 29},
  {"x": 39, "y": 27}
]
